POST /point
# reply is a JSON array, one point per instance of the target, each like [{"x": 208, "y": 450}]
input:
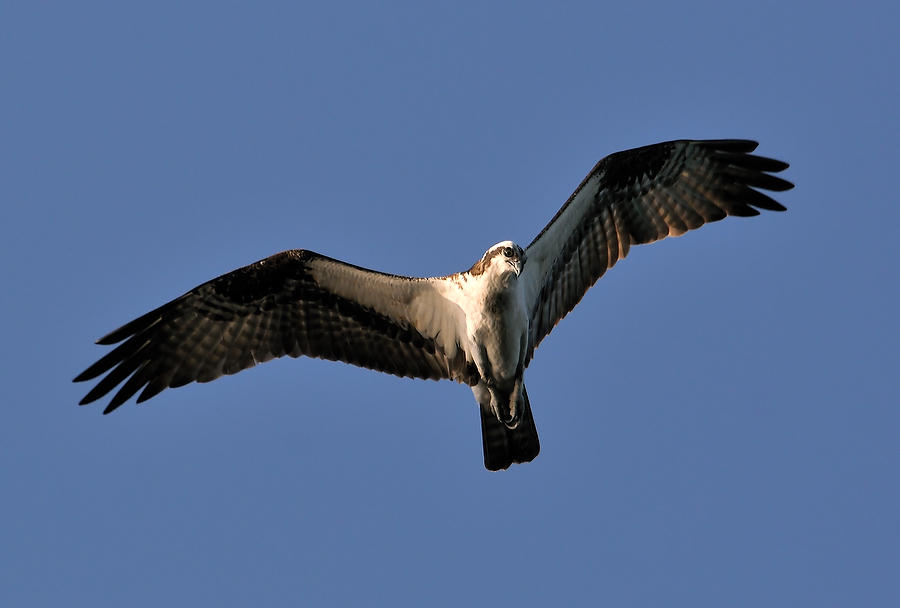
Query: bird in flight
[{"x": 479, "y": 327}]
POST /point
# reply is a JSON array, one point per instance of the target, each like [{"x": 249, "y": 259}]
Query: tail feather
[{"x": 504, "y": 446}]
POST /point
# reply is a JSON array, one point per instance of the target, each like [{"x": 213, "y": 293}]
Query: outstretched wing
[
  {"x": 292, "y": 303},
  {"x": 640, "y": 196}
]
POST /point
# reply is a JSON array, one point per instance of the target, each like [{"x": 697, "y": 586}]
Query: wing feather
[
  {"x": 293, "y": 303},
  {"x": 640, "y": 196}
]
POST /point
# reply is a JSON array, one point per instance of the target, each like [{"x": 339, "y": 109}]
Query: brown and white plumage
[
  {"x": 479, "y": 327},
  {"x": 640, "y": 196},
  {"x": 292, "y": 303}
]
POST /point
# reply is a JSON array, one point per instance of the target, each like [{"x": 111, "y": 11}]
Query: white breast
[{"x": 496, "y": 321}]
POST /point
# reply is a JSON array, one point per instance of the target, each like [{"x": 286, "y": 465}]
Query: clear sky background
[{"x": 718, "y": 418}]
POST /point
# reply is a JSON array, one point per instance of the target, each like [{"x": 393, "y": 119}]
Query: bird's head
[{"x": 502, "y": 258}]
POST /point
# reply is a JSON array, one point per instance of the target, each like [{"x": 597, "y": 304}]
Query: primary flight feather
[{"x": 479, "y": 326}]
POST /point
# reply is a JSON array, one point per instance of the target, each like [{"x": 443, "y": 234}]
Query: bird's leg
[
  {"x": 515, "y": 396},
  {"x": 485, "y": 370},
  {"x": 484, "y": 367}
]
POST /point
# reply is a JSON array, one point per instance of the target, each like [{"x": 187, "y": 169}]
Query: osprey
[{"x": 479, "y": 327}]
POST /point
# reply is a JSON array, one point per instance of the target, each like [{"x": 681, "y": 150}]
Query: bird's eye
[{"x": 508, "y": 252}]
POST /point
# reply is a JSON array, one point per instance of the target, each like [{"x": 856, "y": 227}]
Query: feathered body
[{"x": 479, "y": 327}]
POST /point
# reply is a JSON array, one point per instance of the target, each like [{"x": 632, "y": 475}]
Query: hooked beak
[{"x": 516, "y": 265}]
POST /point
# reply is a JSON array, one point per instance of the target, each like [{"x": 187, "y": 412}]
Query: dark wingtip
[
  {"x": 777, "y": 165},
  {"x": 775, "y": 184},
  {"x": 116, "y": 335},
  {"x": 775, "y": 206},
  {"x": 151, "y": 390},
  {"x": 119, "y": 398},
  {"x": 92, "y": 396},
  {"x": 743, "y": 146},
  {"x": 110, "y": 338}
]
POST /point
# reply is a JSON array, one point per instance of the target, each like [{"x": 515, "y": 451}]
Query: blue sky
[{"x": 718, "y": 417}]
